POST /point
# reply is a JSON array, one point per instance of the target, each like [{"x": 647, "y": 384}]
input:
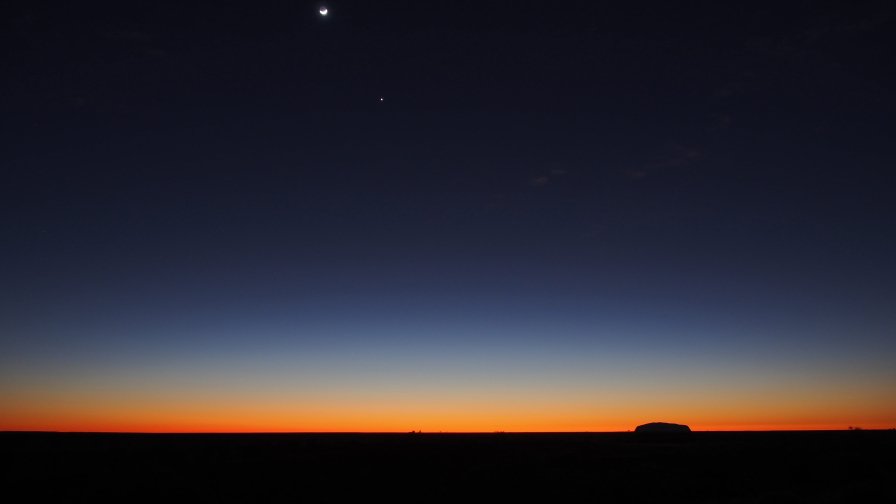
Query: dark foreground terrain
[{"x": 844, "y": 466}]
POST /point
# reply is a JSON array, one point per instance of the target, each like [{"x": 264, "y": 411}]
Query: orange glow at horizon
[
  {"x": 216, "y": 418},
  {"x": 247, "y": 396}
]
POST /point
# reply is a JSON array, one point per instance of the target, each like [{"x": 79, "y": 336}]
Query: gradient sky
[{"x": 447, "y": 216}]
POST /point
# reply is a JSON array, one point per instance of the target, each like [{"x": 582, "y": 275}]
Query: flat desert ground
[{"x": 735, "y": 467}]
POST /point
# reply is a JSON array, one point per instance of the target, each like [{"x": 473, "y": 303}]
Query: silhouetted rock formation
[{"x": 662, "y": 428}]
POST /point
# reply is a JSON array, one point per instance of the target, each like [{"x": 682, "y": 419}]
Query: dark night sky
[{"x": 596, "y": 202}]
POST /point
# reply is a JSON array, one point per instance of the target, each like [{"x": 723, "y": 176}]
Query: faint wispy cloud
[{"x": 673, "y": 156}]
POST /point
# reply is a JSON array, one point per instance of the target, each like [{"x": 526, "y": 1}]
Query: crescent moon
[{"x": 323, "y": 11}]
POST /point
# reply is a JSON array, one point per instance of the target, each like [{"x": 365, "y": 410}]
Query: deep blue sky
[{"x": 700, "y": 186}]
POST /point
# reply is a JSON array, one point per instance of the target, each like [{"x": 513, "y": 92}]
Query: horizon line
[{"x": 885, "y": 429}]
